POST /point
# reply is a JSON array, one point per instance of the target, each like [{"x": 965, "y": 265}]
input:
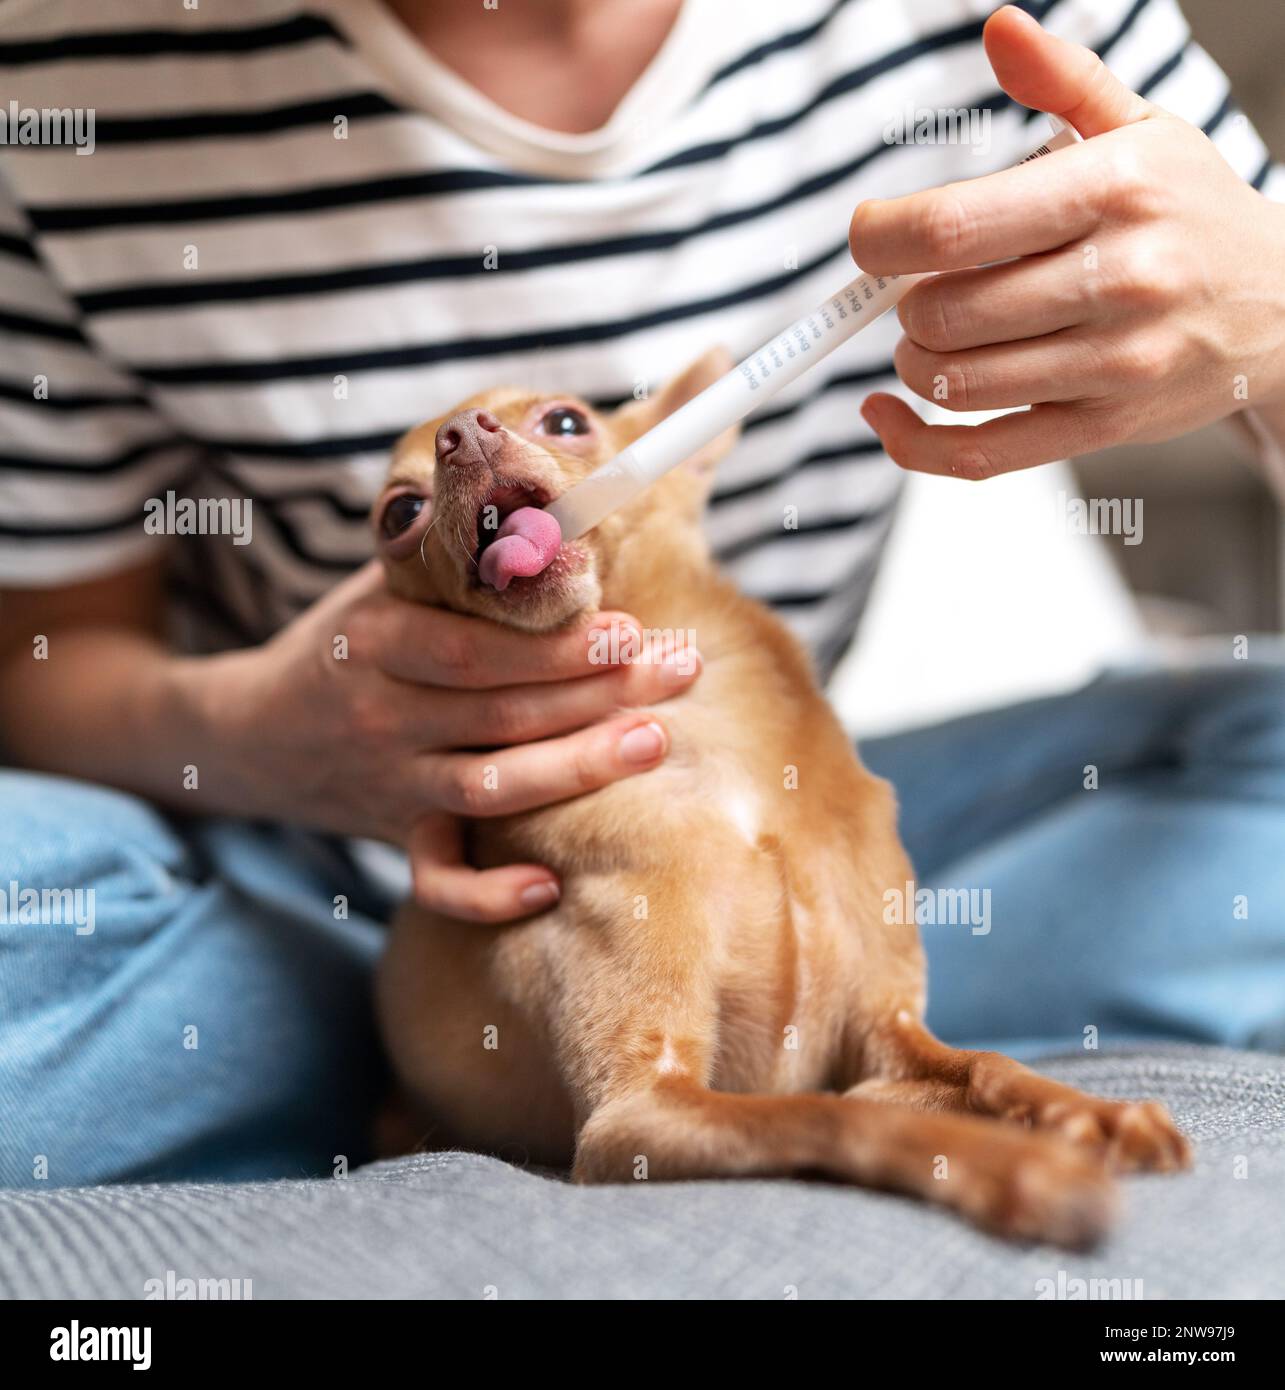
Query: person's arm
[{"x": 88, "y": 688}]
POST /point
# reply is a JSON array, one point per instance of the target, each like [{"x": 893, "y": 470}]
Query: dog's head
[{"x": 455, "y": 480}]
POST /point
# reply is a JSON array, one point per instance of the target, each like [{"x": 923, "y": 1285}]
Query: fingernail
[
  {"x": 680, "y": 667},
  {"x": 644, "y": 744},
  {"x": 543, "y": 894}
]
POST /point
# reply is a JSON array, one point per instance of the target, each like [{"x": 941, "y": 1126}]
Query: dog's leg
[
  {"x": 475, "y": 1068},
  {"x": 918, "y": 1095},
  {"x": 1014, "y": 1183},
  {"x": 905, "y": 1063}
]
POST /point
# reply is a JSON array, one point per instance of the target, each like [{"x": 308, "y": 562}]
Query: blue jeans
[
  {"x": 204, "y": 1014},
  {"x": 1151, "y": 907}
]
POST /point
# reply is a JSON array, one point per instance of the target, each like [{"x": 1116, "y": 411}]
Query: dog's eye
[
  {"x": 400, "y": 513},
  {"x": 562, "y": 420}
]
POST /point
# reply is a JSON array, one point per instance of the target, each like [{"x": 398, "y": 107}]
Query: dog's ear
[{"x": 635, "y": 418}]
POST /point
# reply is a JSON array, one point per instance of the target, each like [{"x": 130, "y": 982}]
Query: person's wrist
[{"x": 204, "y": 703}]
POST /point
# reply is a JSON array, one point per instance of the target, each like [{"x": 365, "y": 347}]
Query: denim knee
[
  {"x": 1231, "y": 740},
  {"x": 85, "y": 873},
  {"x": 1240, "y": 715},
  {"x": 54, "y": 825},
  {"x": 180, "y": 1025}
]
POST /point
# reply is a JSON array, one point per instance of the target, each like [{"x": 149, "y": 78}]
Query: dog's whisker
[
  {"x": 424, "y": 539},
  {"x": 465, "y": 550}
]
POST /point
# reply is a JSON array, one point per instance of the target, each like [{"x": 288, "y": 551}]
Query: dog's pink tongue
[{"x": 525, "y": 544}]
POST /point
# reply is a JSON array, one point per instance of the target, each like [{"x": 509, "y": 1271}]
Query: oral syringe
[{"x": 759, "y": 377}]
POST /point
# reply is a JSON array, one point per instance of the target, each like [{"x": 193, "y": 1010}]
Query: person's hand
[
  {"x": 1147, "y": 296},
  {"x": 365, "y": 716}
]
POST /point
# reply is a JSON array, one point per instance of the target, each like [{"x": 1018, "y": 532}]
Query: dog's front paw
[
  {"x": 1132, "y": 1136},
  {"x": 1041, "y": 1189}
]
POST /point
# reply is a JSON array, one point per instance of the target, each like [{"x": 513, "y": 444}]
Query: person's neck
[{"x": 559, "y": 64}]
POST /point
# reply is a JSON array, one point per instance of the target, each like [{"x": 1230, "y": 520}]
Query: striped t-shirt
[{"x": 298, "y": 234}]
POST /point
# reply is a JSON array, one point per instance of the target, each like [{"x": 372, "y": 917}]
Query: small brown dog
[{"x": 717, "y": 993}]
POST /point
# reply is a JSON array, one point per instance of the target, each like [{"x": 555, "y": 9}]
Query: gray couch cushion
[{"x": 457, "y": 1225}]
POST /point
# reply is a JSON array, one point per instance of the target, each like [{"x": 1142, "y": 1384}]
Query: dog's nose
[{"x": 468, "y": 439}]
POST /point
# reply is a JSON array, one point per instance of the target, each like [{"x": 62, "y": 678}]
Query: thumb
[{"x": 1047, "y": 73}]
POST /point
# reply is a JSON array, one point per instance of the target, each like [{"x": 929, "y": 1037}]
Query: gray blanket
[{"x": 460, "y": 1225}]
